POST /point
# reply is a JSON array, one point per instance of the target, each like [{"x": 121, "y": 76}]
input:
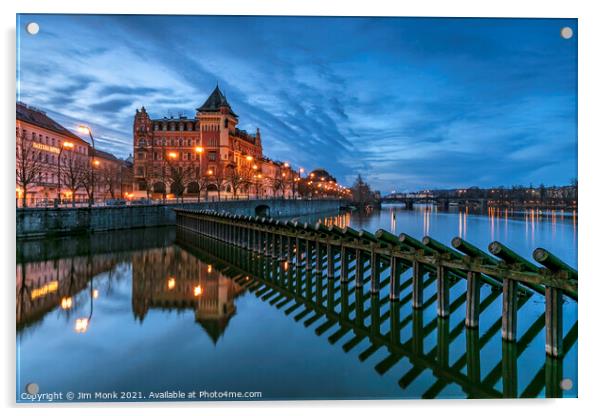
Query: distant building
[{"x": 175, "y": 155}]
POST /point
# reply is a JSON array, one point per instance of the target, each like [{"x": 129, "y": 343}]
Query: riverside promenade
[{"x": 45, "y": 222}]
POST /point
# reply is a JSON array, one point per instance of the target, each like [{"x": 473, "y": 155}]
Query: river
[{"x": 146, "y": 311}]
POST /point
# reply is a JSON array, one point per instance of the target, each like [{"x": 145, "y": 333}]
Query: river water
[{"x": 146, "y": 313}]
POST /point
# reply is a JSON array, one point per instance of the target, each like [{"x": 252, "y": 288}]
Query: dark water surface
[{"x": 150, "y": 311}]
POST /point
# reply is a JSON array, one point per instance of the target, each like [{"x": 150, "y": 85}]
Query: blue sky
[{"x": 411, "y": 103}]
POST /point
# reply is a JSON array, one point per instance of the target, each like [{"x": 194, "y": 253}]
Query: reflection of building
[
  {"x": 231, "y": 159},
  {"x": 43, "y": 286},
  {"x": 171, "y": 278}
]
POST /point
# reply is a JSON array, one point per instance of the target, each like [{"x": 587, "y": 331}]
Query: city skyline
[{"x": 410, "y": 103}]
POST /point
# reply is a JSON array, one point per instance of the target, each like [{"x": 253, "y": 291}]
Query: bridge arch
[{"x": 262, "y": 210}]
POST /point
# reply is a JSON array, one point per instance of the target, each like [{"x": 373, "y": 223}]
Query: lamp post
[
  {"x": 64, "y": 145},
  {"x": 199, "y": 150},
  {"x": 86, "y": 129},
  {"x": 168, "y": 155},
  {"x": 254, "y": 167}
]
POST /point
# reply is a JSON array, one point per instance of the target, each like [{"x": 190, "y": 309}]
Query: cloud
[{"x": 409, "y": 103}]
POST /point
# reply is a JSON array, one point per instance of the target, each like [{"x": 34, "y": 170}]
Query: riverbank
[{"x": 44, "y": 222}]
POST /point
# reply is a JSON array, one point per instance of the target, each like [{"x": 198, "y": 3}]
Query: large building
[
  {"x": 208, "y": 153},
  {"x": 41, "y": 143}
]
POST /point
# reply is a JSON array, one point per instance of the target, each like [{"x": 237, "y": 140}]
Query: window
[
  {"x": 140, "y": 171},
  {"x": 212, "y": 156},
  {"x": 140, "y": 155}
]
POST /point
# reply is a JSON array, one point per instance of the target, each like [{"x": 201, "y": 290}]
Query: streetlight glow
[
  {"x": 198, "y": 290},
  {"x": 66, "y": 303},
  {"x": 199, "y": 149},
  {"x": 81, "y": 325}
]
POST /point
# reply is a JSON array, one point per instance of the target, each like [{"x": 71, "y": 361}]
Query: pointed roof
[{"x": 214, "y": 102}]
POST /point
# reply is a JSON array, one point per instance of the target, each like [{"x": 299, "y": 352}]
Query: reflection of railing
[
  {"x": 302, "y": 291},
  {"x": 384, "y": 250}
]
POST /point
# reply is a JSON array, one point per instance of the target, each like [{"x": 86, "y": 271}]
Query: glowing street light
[
  {"x": 85, "y": 129},
  {"x": 249, "y": 158},
  {"x": 199, "y": 150},
  {"x": 171, "y": 283},
  {"x": 198, "y": 291},
  {"x": 65, "y": 145},
  {"x": 172, "y": 155}
]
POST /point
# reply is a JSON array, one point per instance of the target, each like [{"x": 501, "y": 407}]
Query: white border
[{"x": 590, "y": 137}]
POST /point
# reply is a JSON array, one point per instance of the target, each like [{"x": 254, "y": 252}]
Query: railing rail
[
  {"x": 340, "y": 311},
  {"x": 298, "y": 243}
]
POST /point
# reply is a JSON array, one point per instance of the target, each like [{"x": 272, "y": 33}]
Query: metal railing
[{"x": 299, "y": 243}]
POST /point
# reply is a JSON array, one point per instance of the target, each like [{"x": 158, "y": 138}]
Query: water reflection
[
  {"x": 343, "y": 310},
  {"x": 171, "y": 278},
  {"x": 136, "y": 289}
]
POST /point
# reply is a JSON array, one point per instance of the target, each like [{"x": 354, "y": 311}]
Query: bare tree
[
  {"x": 238, "y": 177},
  {"x": 72, "y": 174},
  {"x": 29, "y": 166},
  {"x": 278, "y": 182},
  {"x": 110, "y": 178},
  {"x": 178, "y": 178},
  {"x": 87, "y": 182},
  {"x": 219, "y": 179}
]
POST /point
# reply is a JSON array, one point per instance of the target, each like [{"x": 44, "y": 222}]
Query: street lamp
[
  {"x": 86, "y": 129},
  {"x": 199, "y": 150},
  {"x": 65, "y": 145}
]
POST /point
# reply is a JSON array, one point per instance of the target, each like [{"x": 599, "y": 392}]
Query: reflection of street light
[
  {"x": 65, "y": 145},
  {"x": 249, "y": 158},
  {"x": 66, "y": 303},
  {"x": 82, "y": 324},
  {"x": 171, "y": 283},
  {"x": 209, "y": 268}
]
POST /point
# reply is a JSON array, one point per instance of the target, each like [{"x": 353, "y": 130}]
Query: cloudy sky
[{"x": 409, "y": 103}]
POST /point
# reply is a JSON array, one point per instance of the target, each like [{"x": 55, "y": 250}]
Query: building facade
[
  {"x": 52, "y": 163},
  {"x": 206, "y": 154}
]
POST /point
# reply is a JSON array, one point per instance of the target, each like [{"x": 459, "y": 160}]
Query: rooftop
[
  {"x": 39, "y": 118},
  {"x": 215, "y": 101}
]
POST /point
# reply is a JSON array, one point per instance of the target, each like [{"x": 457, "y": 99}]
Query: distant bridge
[{"x": 442, "y": 201}]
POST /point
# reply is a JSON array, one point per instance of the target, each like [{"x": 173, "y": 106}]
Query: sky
[{"x": 408, "y": 103}]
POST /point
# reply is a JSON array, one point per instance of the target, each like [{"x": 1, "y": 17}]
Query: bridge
[
  {"x": 442, "y": 201},
  {"x": 339, "y": 308}
]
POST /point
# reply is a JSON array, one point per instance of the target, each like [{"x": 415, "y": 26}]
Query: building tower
[{"x": 217, "y": 123}]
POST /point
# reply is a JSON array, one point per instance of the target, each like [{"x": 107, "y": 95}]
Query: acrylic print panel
[{"x": 269, "y": 208}]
